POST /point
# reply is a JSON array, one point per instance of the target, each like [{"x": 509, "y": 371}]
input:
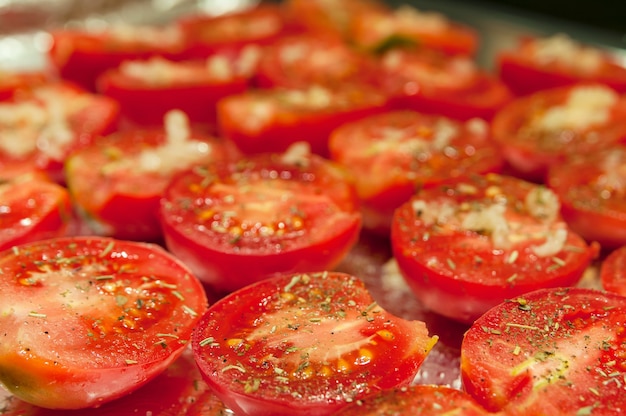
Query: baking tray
[{"x": 24, "y": 42}]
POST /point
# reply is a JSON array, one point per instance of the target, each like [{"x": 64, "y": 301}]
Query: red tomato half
[
  {"x": 465, "y": 246},
  {"x": 392, "y": 154},
  {"x": 543, "y": 129},
  {"x": 210, "y": 34},
  {"x": 271, "y": 120},
  {"x": 433, "y": 82},
  {"x": 543, "y": 63},
  {"x": 592, "y": 190},
  {"x": 240, "y": 222},
  {"x": 612, "y": 271},
  {"x": 87, "y": 320},
  {"x": 375, "y": 29},
  {"x": 550, "y": 352},
  {"x": 305, "y": 345},
  {"x": 14, "y": 82},
  {"x": 81, "y": 56},
  {"x": 40, "y": 128},
  {"x": 32, "y": 209},
  {"x": 299, "y": 61},
  {"x": 147, "y": 90},
  {"x": 117, "y": 182},
  {"x": 422, "y": 400}
]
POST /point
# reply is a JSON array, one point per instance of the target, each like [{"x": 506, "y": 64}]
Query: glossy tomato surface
[
  {"x": 271, "y": 120},
  {"x": 116, "y": 183},
  {"x": 394, "y": 153},
  {"x": 39, "y": 128},
  {"x": 548, "y": 352},
  {"x": 305, "y": 344},
  {"x": 87, "y": 320},
  {"x": 545, "y": 128},
  {"x": 469, "y": 244},
  {"x": 433, "y": 82},
  {"x": 592, "y": 189},
  {"x": 32, "y": 208},
  {"x": 236, "y": 223},
  {"x": 419, "y": 400},
  {"x": 377, "y": 29},
  {"x": 612, "y": 276},
  {"x": 543, "y": 63}
]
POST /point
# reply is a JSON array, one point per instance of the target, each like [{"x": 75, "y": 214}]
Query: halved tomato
[
  {"x": 87, "y": 320},
  {"x": 543, "y": 129},
  {"x": 40, "y": 128},
  {"x": 305, "y": 344},
  {"x": 299, "y": 61},
  {"x": 433, "y": 82},
  {"x": 612, "y": 271},
  {"x": 469, "y": 244},
  {"x": 81, "y": 55},
  {"x": 554, "y": 351},
  {"x": 236, "y": 223},
  {"x": 394, "y": 153},
  {"x": 32, "y": 209},
  {"x": 592, "y": 190},
  {"x": 273, "y": 119},
  {"x": 543, "y": 63},
  {"x": 12, "y": 82},
  {"x": 377, "y": 29},
  {"x": 418, "y": 400},
  {"x": 116, "y": 183}
]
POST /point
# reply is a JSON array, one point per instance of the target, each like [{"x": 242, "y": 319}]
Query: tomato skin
[
  {"x": 548, "y": 352},
  {"x": 612, "y": 276},
  {"x": 592, "y": 201},
  {"x": 350, "y": 346},
  {"x": 104, "y": 343},
  {"x": 526, "y": 75},
  {"x": 424, "y": 400},
  {"x": 119, "y": 199},
  {"x": 394, "y": 153},
  {"x": 271, "y": 120},
  {"x": 460, "y": 266},
  {"x": 531, "y": 149},
  {"x": 432, "y": 82},
  {"x": 82, "y": 115},
  {"x": 237, "y": 223},
  {"x": 32, "y": 209}
]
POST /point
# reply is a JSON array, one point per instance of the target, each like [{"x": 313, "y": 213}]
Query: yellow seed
[
  {"x": 233, "y": 342},
  {"x": 306, "y": 373},
  {"x": 287, "y": 297},
  {"x": 365, "y": 356},
  {"x": 325, "y": 371},
  {"x": 493, "y": 191},
  {"x": 386, "y": 335},
  {"x": 343, "y": 365}
]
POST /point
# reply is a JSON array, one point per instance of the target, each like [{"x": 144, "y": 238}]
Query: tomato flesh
[
  {"x": 468, "y": 244},
  {"x": 552, "y": 351},
  {"x": 86, "y": 320},
  {"x": 612, "y": 276},
  {"x": 305, "y": 345}
]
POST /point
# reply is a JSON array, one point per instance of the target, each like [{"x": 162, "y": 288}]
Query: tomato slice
[
  {"x": 419, "y": 400},
  {"x": 305, "y": 345},
  {"x": 612, "y": 276},
  {"x": 237, "y": 223},
  {"x": 207, "y": 34},
  {"x": 273, "y": 119},
  {"x": 552, "y": 351},
  {"x": 545, "y": 128},
  {"x": 542, "y": 63},
  {"x": 592, "y": 190},
  {"x": 87, "y": 320},
  {"x": 376, "y": 29},
  {"x": 32, "y": 209},
  {"x": 298, "y": 61},
  {"x": 117, "y": 182},
  {"x": 80, "y": 56},
  {"x": 433, "y": 82},
  {"x": 40, "y": 128},
  {"x": 467, "y": 245},
  {"x": 148, "y": 89},
  {"x": 394, "y": 153}
]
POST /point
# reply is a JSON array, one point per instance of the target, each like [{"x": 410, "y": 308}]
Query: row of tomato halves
[{"x": 264, "y": 142}]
